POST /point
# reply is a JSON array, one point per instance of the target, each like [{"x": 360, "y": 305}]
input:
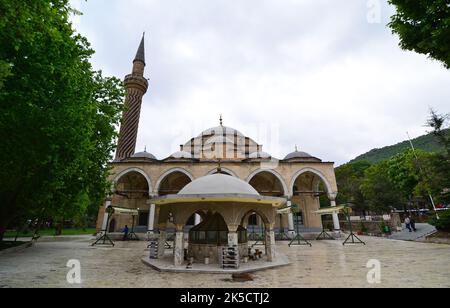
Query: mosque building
[{"x": 220, "y": 177}]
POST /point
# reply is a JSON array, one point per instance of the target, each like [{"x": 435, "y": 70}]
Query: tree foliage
[
  {"x": 57, "y": 115},
  {"x": 378, "y": 189},
  {"x": 443, "y": 223},
  {"x": 400, "y": 180},
  {"x": 423, "y": 27},
  {"x": 349, "y": 178},
  {"x": 438, "y": 123}
]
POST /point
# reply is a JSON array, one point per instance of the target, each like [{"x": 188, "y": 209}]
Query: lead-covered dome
[
  {"x": 298, "y": 154},
  {"x": 221, "y": 130},
  {"x": 260, "y": 154},
  {"x": 301, "y": 156},
  {"x": 181, "y": 155},
  {"x": 218, "y": 184},
  {"x": 144, "y": 154},
  {"x": 218, "y": 139}
]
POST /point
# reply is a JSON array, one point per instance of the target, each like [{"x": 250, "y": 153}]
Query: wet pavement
[
  {"x": 326, "y": 264},
  {"x": 422, "y": 230}
]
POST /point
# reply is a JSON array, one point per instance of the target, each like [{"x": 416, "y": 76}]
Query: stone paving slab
[
  {"x": 166, "y": 265},
  {"x": 422, "y": 231},
  {"x": 326, "y": 264}
]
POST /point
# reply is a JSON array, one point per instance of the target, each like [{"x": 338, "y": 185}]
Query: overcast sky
[{"x": 323, "y": 75}]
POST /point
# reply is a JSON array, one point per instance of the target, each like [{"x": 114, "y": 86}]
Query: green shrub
[
  {"x": 443, "y": 223},
  {"x": 384, "y": 228}
]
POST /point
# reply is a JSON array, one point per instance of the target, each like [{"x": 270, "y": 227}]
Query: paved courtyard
[{"x": 326, "y": 264}]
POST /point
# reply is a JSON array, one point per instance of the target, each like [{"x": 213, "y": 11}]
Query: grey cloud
[{"x": 316, "y": 71}]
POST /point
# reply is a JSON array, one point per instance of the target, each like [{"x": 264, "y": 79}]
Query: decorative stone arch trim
[
  {"x": 169, "y": 172},
  {"x": 200, "y": 212},
  {"x": 261, "y": 214},
  {"x": 226, "y": 170},
  {"x": 273, "y": 172},
  {"x": 315, "y": 172},
  {"x": 129, "y": 170}
]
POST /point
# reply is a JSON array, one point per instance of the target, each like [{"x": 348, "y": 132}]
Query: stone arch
[
  {"x": 327, "y": 184},
  {"x": 254, "y": 232},
  {"x": 112, "y": 226},
  {"x": 129, "y": 170},
  {"x": 248, "y": 213},
  {"x": 169, "y": 172},
  {"x": 224, "y": 170},
  {"x": 272, "y": 172},
  {"x": 202, "y": 214}
]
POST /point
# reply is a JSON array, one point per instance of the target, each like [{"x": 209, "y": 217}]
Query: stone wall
[
  {"x": 214, "y": 252},
  {"x": 372, "y": 226}
]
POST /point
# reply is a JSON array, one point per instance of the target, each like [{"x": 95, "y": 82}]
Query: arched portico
[
  {"x": 309, "y": 188},
  {"x": 174, "y": 172},
  {"x": 130, "y": 170},
  {"x": 270, "y": 183},
  {"x": 316, "y": 172}
]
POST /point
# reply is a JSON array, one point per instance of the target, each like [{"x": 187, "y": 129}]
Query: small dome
[
  {"x": 218, "y": 184},
  {"x": 144, "y": 154},
  {"x": 298, "y": 154},
  {"x": 256, "y": 155},
  {"x": 221, "y": 130},
  {"x": 181, "y": 154}
]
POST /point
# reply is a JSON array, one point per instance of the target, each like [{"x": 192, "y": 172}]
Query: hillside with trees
[
  {"x": 403, "y": 181},
  {"x": 427, "y": 143}
]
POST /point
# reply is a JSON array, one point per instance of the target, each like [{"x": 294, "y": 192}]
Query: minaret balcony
[{"x": 136, "y": 81}]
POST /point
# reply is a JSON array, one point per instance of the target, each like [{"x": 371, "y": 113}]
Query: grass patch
[
  {"x": 7, "y": 245},
  {"x": 51, "y": 232}
]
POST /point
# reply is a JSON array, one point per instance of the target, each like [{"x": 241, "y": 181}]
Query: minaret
[{"x": 136, "y": 86}]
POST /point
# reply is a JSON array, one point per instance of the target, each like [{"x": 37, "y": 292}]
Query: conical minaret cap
[{"x": 140, "y": 55}]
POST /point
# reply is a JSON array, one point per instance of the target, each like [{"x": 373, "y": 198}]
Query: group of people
[{"x": 410, "y": 224}]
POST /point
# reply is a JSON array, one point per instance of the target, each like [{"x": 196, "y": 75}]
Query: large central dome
[
  {"x": 221, "y": 130},
  {"x": 218, "y": 184},
  {"x": 221, "y": 142}
]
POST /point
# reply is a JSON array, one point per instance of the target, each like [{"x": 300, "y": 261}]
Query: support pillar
[
  {"x": 337, "y": 226},
  {"x": 162, "y": 241},
  {"x": 151, "y": 219},
  {"x": 178, "y": 249},
  {"x": 270, "y": 243},
  {"x": 291, "y": 226},
  {"x": 233, "y": 239}
]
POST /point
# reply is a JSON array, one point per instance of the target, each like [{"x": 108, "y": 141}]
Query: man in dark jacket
[
  {"x": 125, "y": 233},
  {"x": 413, "y": 224}
]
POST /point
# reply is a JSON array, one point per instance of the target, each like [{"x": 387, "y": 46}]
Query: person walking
[
  {"x": 413, "y": 224},
  {"x": 408, "y": 223},
  {"x": 125, "y": 233}
]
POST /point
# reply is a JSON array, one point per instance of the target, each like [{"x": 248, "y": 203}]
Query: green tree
[
  {"x": 438, "y": 123},
  {"x": 57, "y": 115},
  {"x": 423, "y": 27},
  {"x": 443, "y": 223},
  {"x": 438, "y": 167},
  {"x": 349, "y": 178},
  {"x": 404, "y": 173},
  {"x": 379, "y": 191}
]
